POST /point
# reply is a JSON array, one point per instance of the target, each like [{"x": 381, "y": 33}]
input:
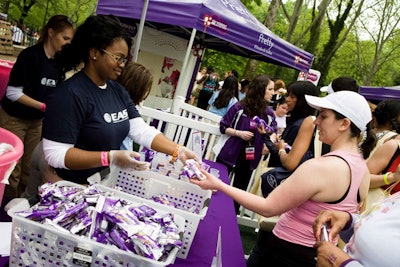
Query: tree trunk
[
  {"x": 25, "y": 10},
  {"x": 333, "y": 44},
  {"x": 388, "y": 20},
  {"x": 293, "y": 19},
  {"x": 315, "y": 29},
  {"x": 252, "y": 64},
  {"x": 6, "y": 4}
]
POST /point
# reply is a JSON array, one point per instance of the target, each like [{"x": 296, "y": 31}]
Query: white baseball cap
[
  {"x": 328, "y": 89},
  {"x": 350, "y": 104}
]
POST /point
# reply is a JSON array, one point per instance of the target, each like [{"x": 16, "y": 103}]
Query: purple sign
[{"x": 380, "y": 93}]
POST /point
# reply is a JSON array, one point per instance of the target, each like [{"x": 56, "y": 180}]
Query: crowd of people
[
  {"x": 73, "y": 127},
  {"x": 360, "y": 151},
  {"x": 23, "y": 35}
]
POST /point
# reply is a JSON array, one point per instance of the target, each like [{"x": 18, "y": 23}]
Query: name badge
[{"x": 250, "y": 153}]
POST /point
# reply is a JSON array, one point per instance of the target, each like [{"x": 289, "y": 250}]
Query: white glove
[
  {"x": 125, "y": 159},
  {"x": 17, "y": 204},
  {"x": 185, "y": 154}
]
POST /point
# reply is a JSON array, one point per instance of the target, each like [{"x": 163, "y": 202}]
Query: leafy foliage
[{"x": 39, "y": 11}]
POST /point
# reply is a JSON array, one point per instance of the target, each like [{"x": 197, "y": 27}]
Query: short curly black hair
[{"x": 98, "y": 31}]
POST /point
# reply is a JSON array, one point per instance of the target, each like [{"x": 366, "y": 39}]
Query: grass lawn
[{"x": 248, "y": 236}]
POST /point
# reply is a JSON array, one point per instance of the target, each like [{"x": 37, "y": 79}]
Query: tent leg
[
  {"x": 182, "y": 86},
  {"x": 140, "y": 31}
]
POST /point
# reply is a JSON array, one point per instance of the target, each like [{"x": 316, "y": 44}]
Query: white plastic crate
[
  {"x": 35, "y": 244},
  {"x": 146, "y": 184}
]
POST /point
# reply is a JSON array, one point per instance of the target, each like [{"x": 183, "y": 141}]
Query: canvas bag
[
  {"x": 275, "y": 176},
  {"x": 266, "y": 224},
  {"x": 224, "y": 137},
  {"x": 378, "y": 194},
  {"x": 272, "y": 178}
]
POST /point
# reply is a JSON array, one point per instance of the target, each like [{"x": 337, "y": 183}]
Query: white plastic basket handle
[{"x": 4, "y": 148}]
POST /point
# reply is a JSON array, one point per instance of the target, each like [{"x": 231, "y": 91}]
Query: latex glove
[
  {"x": 245, "y": 135},
  {"x": 185, "y": 154},
  {"x": 125, "y": 159},
  {"x": 17, "y": 204}
]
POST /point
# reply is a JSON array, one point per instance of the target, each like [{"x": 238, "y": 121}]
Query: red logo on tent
[
  {"x": 207, "y": 21},
  {"x": 299, "y": 59},
  {"x": 214, "y": 21}
]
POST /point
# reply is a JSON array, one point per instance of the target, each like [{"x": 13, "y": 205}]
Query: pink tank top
[{"x": 295, "y": 226}]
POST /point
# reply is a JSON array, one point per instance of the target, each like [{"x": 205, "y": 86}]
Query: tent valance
[
  {"x": 223, "y": 25},
  {"x": 376, "y": 93}
]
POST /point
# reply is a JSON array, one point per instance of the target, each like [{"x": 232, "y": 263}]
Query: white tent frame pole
[
  {"x": 181, "y": 81},
  {"x": 140, "y": 31}
]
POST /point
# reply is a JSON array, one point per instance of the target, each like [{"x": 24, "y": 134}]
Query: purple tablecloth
[{"x": 220, "y": 213}]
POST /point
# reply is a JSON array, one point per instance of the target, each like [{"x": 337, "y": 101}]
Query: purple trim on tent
[
  {"x": 228, "y": 20},
  {"x": 380, "y": 93}
]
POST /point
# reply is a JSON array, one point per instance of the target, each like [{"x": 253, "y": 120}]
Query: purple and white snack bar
[
  {"x": 163, "y": 199},
  {"x": 118, "y": 240},
  {"x": 129, "y": 226},
  {"x": 189, "y": 172},
  {"x": 261, "y": 122},
  {"x": 194, "y": 166}
]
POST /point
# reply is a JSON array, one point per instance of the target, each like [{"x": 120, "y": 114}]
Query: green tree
[
  {"x": 337, "y": 36},
  {"x": 35, "y": 13},
  {"x": 383, "y": 37},
  {"x": 269, "y": 21}
]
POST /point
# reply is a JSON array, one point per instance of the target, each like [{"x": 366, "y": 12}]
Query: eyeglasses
[{"x": 118, "y": 59}]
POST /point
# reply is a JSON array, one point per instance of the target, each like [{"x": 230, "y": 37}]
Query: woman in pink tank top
[{"x": 338, "y": 180}]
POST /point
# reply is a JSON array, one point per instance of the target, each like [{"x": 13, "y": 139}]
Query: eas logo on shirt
[
  {"x": 48, "y": 82},
  {"x": 116, "y": 117}
]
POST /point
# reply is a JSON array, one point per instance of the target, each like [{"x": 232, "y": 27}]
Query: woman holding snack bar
[
  {"x": 338, "y": 180},
  {"x": 242, "y": 152},
  {"x": 90, "y": 114}
]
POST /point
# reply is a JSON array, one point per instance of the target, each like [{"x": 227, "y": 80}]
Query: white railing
[
  {"x": 189, "y": 111},
  {"x": 185, "y": 120},
  {"x": 180, "y": 129}
]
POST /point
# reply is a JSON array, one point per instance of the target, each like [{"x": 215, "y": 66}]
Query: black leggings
[
  {"x": 243, "y": 173},
  {"x": 272, "y": 251},
  {"x": 204, "y": 96}
]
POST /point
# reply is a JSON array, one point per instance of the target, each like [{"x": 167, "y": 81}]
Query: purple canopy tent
[
  {"x": 377, "y": 94},
  {"x": 225, "y": 25}
]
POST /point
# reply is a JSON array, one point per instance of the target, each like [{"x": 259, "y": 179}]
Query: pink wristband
[
  {"x": 104, "y": 158},
  {"x": 43, "y": 107}
]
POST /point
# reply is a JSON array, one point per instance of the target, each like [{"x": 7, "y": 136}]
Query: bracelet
[
  {"x": 343, "y": 264},
  {"x": 104, "y": 158},
  {"x": 281, "y": 150},
  {"x": 385, "y": 178},
  {"x": 175, "y": 153},
  {"x": 43, "y": 107}
]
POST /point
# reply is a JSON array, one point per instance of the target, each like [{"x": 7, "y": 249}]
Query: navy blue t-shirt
[
  {"x": 38, "y": 75},
  {"x": 91, "y": 118}
]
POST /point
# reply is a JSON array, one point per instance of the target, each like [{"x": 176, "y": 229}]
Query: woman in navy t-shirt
[
  {"x": 33, "y": 77},
  {"x": 90, "y": 114}
]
